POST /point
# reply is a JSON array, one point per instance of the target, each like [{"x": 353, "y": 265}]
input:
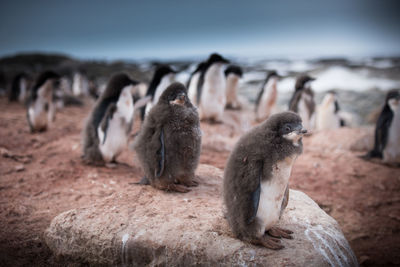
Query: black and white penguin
[
  {"x": 109, "y": 125},
  {"x": 169, "y": 143},
  {"x": 211, "y": 95},
  {"x": 162, "y": 78},
  {"x": 19, "y": 88},
  {"x": 80, "y": 84},
  {"x": 193, "y": 82},
  {"x": 387, "y": 130},
  {"x": 267, "y": 97},
  {"x": 233, "y": 74},
  {"x": 328, "y": 116},
  {"x": 256, "y": 179},
  {"x": 40, "y": 106},
  {"x": 302, "y": 101}
]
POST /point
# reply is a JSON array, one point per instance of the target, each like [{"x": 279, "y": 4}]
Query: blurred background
[{"x": 350, "y": 46}]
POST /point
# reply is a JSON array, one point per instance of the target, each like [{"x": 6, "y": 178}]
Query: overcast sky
[{"x": 176, "y": 29}]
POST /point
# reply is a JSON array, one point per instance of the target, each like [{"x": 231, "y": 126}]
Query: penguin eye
[{"x": 288, "y": 128}]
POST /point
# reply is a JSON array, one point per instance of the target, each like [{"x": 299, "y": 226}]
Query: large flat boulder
[{"x": 144, "y": 226}]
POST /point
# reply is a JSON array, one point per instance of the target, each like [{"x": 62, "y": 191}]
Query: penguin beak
[
  {"x": 303, "y": 131},
  {"x": 179, "y": 100}
]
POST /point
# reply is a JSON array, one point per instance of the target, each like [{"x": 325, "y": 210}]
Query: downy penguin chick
[
  {"x": 233, "y": 74},
  {"x": 211, "y": 95},
  {"x": 169, "y": 142},
  {"x": 387, "y": 130},
  {"x": 267, "y": 97},
  {"x": 302, "y": 101},
  {"x": 107, "y": 130},
  {"x": 256, "y": 179},
  {"x": 162, "y": 78},
  {"x": 40, "y": 106}
]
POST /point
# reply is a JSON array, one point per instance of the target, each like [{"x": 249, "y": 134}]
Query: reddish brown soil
[{"x": 41, "y": 175}]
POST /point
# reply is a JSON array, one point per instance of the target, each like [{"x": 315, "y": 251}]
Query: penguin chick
[
  {"x": 233, "y": 74},
  {"x": 169, "y": 142},
  {"x": 162, "y": 78},
  {"x": 387, "y": 131},
  {"x": 256, "y": 179},
  {"x": 211, "y": 95},
  {"x": 328, "y": 113},
  {"x": 40, "y": 106},
  {"x": 302, "y": 101},
  {"x": 267, "y": 97},
  {"x": 107, "y": 130}
]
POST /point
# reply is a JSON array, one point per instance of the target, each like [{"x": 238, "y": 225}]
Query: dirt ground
[{"x": 41, "y": 175}]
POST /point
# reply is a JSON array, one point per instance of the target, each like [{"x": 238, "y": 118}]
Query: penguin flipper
[
  {"x": 255, "y": 198},
  {"x": 107, "y": 117},
  {"x": 161, "y": 154}
]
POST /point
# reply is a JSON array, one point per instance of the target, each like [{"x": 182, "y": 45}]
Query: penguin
[
  {"x": 267, "y": 97},
  {"x": 255, "y": 185},
  {"x": 19, "y": 88},
  {"x": 80, "y": 84},
  {"x": 233, "y": 74},
  {"x": 193, "y": 82},
  {"x": 302, "y": 101},
  {"x": 328, "y": 116},
  {"x": 40, "y": 106},
  {"x": 169, "y": 142},
  {"x": 211, "y": 87},
  {"x": 107, "y": 130},
  {"x": 162, "y": 78},
  {"x": 387, "y": 130}
]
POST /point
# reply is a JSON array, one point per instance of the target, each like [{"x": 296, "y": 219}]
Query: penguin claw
[
  {"x": 280, "y": 233},
  {"x": 268, "y": 242}
]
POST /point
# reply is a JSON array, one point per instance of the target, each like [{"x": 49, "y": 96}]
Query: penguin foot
[
  {"x": 279, "y": 232},
  {"x": 178, "y": 188},
  {"x": 143, "y": 181},
  {"x": 268, "y": 242},
  {"x": 190, "y": 183}
]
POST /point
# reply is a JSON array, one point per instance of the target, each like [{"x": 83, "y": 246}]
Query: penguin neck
[{"x": 215, "y": 71}]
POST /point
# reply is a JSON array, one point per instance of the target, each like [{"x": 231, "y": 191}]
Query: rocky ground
[{"x": 41, "y": 175}]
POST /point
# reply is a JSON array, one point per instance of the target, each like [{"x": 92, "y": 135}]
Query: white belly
[
  {"x": 117, "y": 135},
  {"x": 39, "y": 117},
  {"x": 192, "y": 90},
  {"x": 391, "y": 153},
  {"x": 213, "y": 96},
  {"x": 267, "y": 105},
  {"x": 327, "y": 119},
  {"x": 272, "y": 193},
  {"x": 232, "y": 83}
]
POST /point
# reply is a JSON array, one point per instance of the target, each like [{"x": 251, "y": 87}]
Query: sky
[{"x": 150, "y": 29}]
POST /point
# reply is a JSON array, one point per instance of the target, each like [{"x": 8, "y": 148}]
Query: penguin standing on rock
[
  {"x": 302, "y": 101},
  {"x": 193, "y": 82},
  {"x": 256, "y": 179},
  {"x": 211, "y": 95},
  {"x": 162, "y": 78},
  {"x": 233, "y": 74},
  {"x": 169, "y": 142},
  {"x": 267, "y": 97},
  {"x": 40, "y": 106},
  {"x": 328, "y": 113},
  {"x": 387, "y": 131},
  {"x": 107, "y": 130}
]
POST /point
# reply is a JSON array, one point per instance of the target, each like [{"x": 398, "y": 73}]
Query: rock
[{"x": 145, "y": 226}]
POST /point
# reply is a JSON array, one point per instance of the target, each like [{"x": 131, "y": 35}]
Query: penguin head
[
  {"x": 303, "y": 82},
  {"x": 236, "y": 70},
  {"x": 163, "y": 70},
  {"x": 175, "y": 95},
  {"x": 393, "y": 99},
  {"x": 272, "y": 74},
  {"x": 49, "y": 77},
  {"x": 287, "y": 125},
  {"x": 217, "y": 58},
  {"x": 116, "y": 84}
]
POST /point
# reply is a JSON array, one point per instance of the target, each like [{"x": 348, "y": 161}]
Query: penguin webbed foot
[
  {"x": 279, "y": 233},
  {"x": 268, "y": 242},
  {"x": 188, "y": 182},
  {"x": 177, "y": 188}
]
